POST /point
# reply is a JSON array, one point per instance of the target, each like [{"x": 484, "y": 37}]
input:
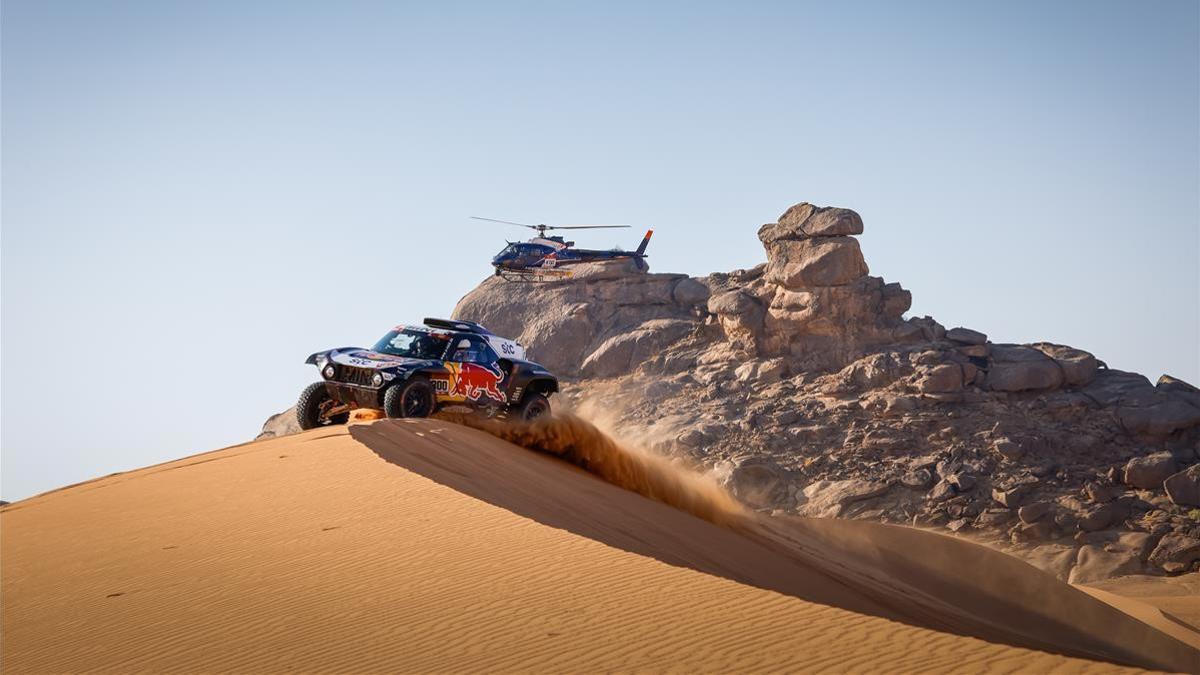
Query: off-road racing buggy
[{"x": 414, "y": 371}]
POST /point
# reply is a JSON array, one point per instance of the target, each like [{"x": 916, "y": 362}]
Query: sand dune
[{"x": 423, "y": 545}]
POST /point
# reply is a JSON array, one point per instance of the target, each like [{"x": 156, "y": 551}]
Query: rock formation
[{"x": 804, "y": 388}]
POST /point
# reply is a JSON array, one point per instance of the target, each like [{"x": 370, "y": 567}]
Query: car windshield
[{"x": 413, "y": 344}]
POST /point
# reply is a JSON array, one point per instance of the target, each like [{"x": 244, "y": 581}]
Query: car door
[{"x": 479, "y": 378}]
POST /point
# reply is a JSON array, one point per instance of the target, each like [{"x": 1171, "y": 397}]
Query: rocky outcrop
[{"x": 818, "y": 396}]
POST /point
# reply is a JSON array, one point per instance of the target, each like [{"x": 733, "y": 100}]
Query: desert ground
[{"x": 423, "y": 545}]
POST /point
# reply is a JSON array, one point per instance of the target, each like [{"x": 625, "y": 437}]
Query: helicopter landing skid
[{"x": 534, "y": 276}]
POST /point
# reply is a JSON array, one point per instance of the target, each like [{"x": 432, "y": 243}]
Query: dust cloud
[{"x": 582, "y": 443}]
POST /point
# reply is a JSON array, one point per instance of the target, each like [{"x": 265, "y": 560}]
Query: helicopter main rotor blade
[
  {"x": 506, "y": 222},
  {"x": 583, "y": 227}
]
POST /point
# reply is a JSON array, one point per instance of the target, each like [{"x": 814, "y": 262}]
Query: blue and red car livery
[{"x": 414, "y": 371}]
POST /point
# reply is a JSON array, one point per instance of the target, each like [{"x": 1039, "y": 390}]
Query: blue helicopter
[{"x": 544, "y": 257}]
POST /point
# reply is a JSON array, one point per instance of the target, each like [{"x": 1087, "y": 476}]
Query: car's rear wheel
[
  {"x": 316, "y": 408},
  {"x": 412, "y": 398},
  {"x": 533, "y": 407}
]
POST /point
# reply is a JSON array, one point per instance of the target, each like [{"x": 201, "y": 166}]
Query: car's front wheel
[
  {"x": 412, "y": 398},
  {"x": 533, "y": 407},
  {"x": 316, "y": 408}
]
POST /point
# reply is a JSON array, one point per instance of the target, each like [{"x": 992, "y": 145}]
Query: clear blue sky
[{"x": 198, "y": 195}]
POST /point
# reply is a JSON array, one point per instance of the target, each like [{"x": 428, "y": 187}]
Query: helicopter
[{"x": 544, "y": 257}]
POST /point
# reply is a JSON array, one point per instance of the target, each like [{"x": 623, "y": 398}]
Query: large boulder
[
  {"x": 1101, "y": 516},
  {"x": 966, "y": 336},
  {"x": 1022, "y": 368},
  {"x": 832, "y": 311},
  {"x": 731, "y": 303},
  {"x": 896, "y": 301},
  {"x": 826, "y": 499},
  {"x": 1177, "y": 387},
  {"x": 827, "y": 327},
  {"x": 609, "y": 269},
  {"x": 761, "y": 371},
  {"x": 1011, "y": 497},
  {"x": 1158, "y": 415},
  {"x": 623, "y": 353},
  {"x": 1111, "y": 387},
  {"x": 869, "y": 372},
  {"x": 1055, "y": 559},
  {"x": 757, "y": 482},
  {"x": 805, "y": 263},
  {"x": 1176, "y": 553},
  {"x": 940, "y": 379},
  {"x": 741, "y": 318},
  {"x": 805, "y": 220},
  {"x": 1143, "y": 409},
  {"x": 280, "y": 424},
  {"x": 1149, "y": 472},
  {"x": 1078, "y": 367},
  {"x": 1183, "y": 488},
  {"x": 690, "y": 293},
  {"x": 561, "y": 322},
  {"x": 1122, "y": 554}
]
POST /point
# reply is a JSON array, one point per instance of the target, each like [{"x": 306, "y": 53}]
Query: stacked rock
[
  {"x": 818, "y": 297},
  {"x": 812, "y": 247}
]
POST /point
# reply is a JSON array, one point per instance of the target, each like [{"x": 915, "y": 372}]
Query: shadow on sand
[{"x": 645, "y": 505}]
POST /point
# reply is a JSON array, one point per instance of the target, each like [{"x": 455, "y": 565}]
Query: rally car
[{"x": 414, "y": 371}]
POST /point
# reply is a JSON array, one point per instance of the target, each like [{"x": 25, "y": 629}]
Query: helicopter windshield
[{"x": 413, "y": 344}]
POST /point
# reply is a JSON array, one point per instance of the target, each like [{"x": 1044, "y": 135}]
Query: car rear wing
[{"x": 455, "y": 325}]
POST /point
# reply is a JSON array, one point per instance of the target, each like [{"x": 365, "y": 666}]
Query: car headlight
[
  {"x": 328, "y": 372},
  {"x": 377, "y": 380}
]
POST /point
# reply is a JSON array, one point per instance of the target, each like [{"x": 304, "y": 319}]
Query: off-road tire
[
  {"x": 308, "y": 408},
  {"x": 414, "y": 397},
  {"x": 531, "y": 407}
]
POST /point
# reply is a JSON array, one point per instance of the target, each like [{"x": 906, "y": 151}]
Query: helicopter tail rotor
[{"x": 641, "y": 249}]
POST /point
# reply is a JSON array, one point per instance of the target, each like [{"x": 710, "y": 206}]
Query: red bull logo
[{"x": 471, "y": 381}]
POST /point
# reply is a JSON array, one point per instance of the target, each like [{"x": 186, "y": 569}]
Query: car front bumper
[{"x": 355, "y": 395}]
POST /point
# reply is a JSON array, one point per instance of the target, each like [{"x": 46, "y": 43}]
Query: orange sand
[{"x": 443, "y": 548}]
